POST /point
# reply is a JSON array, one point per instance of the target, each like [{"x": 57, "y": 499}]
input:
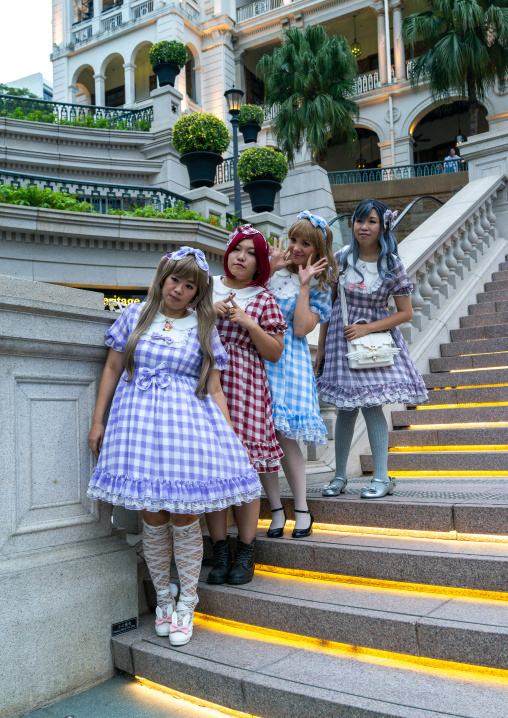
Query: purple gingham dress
[
  {"x": 351, "y": 388},
  {"x": 164, "y": 448}
]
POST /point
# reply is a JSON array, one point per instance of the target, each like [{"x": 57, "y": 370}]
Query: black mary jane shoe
[
  {"x": 277, "y": 533},
  {"x": 300, "y": 533}
]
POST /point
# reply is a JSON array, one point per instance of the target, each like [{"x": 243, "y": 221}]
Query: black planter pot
[
  {"x": 166, "y": 73},
  {"x": 201, "y": 166},
  {"x": 262, "y": 194},
  {"x": 250, "y": 132}
]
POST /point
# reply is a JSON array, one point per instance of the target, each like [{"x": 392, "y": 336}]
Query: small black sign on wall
[{"x": 123, "y": 626}]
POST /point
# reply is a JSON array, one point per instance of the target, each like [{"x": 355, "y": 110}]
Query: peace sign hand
[
  {"x": 306, "y": 274},
  {"x": 222, "y": 308},
  {"x": 279, "y": 257}
]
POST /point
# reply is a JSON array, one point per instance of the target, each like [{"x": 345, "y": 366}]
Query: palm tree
[
  {"x": 467, "y": 54},
  {"x": 310, "y": 82}
]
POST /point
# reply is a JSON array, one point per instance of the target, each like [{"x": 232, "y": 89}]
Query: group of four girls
[{"x": 212, "y": 385}]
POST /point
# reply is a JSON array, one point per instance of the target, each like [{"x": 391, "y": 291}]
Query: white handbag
[{"x": 373, "y": 350}]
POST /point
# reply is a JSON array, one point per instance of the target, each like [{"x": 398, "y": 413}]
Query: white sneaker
[
  {"x": 182, "y": 624},
  {"x": 163, "y": 615}
]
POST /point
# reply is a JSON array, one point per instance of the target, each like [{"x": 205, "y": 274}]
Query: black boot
[
  {"x": 242, "y": 569},
  {"x": 221, "y": 562}
]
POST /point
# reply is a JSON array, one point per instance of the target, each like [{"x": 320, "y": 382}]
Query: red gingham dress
[{"x": 244, "y": 378}]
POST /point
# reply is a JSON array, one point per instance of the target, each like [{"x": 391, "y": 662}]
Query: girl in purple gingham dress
[
  {"x": 370, "y": 272},
  {"x": 169, "y": 449}
]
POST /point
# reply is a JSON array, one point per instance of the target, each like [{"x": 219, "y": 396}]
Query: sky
[{"x": 25, "y": 39}]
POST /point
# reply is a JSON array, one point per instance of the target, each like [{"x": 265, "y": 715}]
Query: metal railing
[
  {"x": 257, "y": 8},
  {"x": 382, "y": 174},
  {"x": 82, "y": 34},
  {"x": 63, "y": 112},
  {"x": 110, "y": 23},
  {"x": 141, "y": 10},
  {"x": 103, "y": 196},
  {"x": 224, "y": 171}
]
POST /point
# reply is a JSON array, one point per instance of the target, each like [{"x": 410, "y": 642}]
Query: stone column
[
  {"x": 71, "y": 93},
  {"x": 96, "y": 22},
  {"x": 198, "y": 76},
  {"x": 240, "y": 71},
  {"x": 167, "y": 108},
  {"x": 130, "y": 88},
  {"x": 398, "y": 44},
  {"x": 100, "y": 90},
  {"x": 381, "y": 46}
]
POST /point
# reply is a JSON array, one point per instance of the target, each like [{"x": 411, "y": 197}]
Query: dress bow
[
  {"x": 160, "y": 374},
  {"x": 156, "y": 335},
  {"x": 357, "y": 285}
]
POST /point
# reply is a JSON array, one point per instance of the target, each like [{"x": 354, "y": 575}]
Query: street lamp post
[{"x": 234, "y": 100}]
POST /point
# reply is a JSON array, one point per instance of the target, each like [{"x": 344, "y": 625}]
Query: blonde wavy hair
[
  {"x": 186, "y": 268},
  {"x": 304, "y": 229}
]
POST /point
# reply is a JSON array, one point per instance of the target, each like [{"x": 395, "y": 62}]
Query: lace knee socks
[
  {"x": 188, "y": 545},
  {"x": 157, "y": 545}
]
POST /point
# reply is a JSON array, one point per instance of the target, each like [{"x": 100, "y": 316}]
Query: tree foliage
[
  {"x": 310, "y": 82},
  {"x": 17, "y": 92},
  {"x": 467, "y": 54}
]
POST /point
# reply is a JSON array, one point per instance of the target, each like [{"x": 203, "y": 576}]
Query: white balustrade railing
[
  {"x": 110, "y": 23},
  {"x": 257, "y": 8},
  {"x": 83, "y": 34},
  {"x": 444, "y": 251},
  {"x": 144, "y": 8}
]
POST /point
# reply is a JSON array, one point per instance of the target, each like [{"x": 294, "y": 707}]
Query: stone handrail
[{"x": 441, "y": 253}]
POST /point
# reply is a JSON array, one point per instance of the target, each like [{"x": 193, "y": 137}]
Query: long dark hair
[{"x": 386, "y": 239}]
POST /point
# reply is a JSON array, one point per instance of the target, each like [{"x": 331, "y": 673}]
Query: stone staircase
[
  {"x": 464, "y": 427},
  {"x": 391, "y": 608}
]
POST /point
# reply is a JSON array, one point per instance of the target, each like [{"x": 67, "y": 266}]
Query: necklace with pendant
[{"x": 168, "y": 324}]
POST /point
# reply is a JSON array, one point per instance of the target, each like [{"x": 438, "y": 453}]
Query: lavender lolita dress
[
  {"x": 164, "y": 448},
  {"x": 349, "y": 389}
]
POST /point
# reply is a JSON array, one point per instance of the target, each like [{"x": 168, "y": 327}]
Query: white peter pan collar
[{"x": 243, "y": 297}]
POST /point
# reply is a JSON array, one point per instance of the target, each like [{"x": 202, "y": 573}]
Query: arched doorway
[
  {"x": 144, "y": 77},
  {"x": 438, "y": 130},
  {"x": 115, "y": 82},
  {"x": 85, "y": 85},
  {"x": 364, "y": 154},
  {"x": 190, "y": 77}
]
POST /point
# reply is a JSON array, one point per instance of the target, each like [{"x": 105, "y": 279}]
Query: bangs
[
  {"x": 364, "y": 209},
  {"x": 186, "y": 268},
  {"x": 303, "y": 228}
]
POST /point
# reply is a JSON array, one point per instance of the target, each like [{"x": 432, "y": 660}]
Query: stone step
[
  {"x": 488, "y": 307},
  {"x": 466, "y": 378},
  {"x": 466, "y": 415},
  {"x": 503, "y": 267},
  {"x": 435, "y": 461},
  {"x": 474, "y": 395},
  {"x": 254, "y": 673},
  {"x": 485, "y": 346},
  {"x": 471, "y": 361},
  {"x": 496, "y": 286},
  {"x": 500, "y": 276},
  {"x": 441, "y": 514},
  {"x": 501, "y": 295},
  {"x": 474, "y": 436},
  {"x": 483, "y": 320},
  {"x": 479, "y": 333}
]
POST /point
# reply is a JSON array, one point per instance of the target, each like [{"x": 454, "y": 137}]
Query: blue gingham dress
[
  {"x": 351, "y": 388},
  {"x": 164, "y": 448},
  {"x": 292, "y": 385}
]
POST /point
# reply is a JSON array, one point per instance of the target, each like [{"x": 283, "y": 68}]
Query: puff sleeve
[
  {"x": 220, "y": 355},
  {"x": 320, "y": 302},
  {"x": 401, "y": 286},
  {"x": 119, "y": 332},
  {"x": 271, "y": 319}
]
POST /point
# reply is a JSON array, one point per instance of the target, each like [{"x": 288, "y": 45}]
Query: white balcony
[
  {"x": 257, "y": 8},
  {"x": 110, "y": 23},
  {"x": 142, "y": 9}
]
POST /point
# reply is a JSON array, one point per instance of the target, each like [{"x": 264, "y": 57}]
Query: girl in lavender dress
[
  {"x": 169, "y": 449},
  {"x": 370, "y": 271}
]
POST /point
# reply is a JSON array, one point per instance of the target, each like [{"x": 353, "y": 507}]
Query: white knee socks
[
  {"x": 157, "y": 545},
  {"x": 188, "y": 545}
]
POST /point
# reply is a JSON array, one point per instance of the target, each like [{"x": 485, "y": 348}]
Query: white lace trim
[
  {"x": 243, "y": 297},
  {"x": 285, "y": 284},
  {"x": 179, "y": 507},
  {"x": 178, "y": 336}
]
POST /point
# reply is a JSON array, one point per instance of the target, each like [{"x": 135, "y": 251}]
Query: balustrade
[
  {"x": 110, "y": 23},
  {"x": 381, "y": 174},
  {"x": 144, "y": 8},
  {"x": 103, "y": 196},
  {"x": 257, "y": 8}
]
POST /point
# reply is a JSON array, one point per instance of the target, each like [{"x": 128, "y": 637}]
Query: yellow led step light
[
  {"x": 439, "y": 474},
  {"x": 459, "y": 406},
  {"x": 486, "y": 448},
  {"x": 483, "y": 368},
  {"x": 458, "y": 425}
]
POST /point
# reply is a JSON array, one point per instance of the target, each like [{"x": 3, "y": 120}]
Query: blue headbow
[
  {"x": 198, "y": 255},
  {"x": 314, "y": 219}
]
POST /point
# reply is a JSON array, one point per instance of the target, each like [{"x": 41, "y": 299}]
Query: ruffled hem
[
  {"x": 374, "y": 395},
  {"x": 181, "y": 496},
  {"x": 177, "y": 507},
  {"x": 110, "y": 342},
  {"x": 308, "y": 428},
  {"x": 265, "y": 457}
]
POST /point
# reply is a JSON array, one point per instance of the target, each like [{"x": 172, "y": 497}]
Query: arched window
[{"x": 190, "y": 78}]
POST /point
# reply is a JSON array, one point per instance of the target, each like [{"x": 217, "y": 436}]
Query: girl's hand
[
  {"x": 320, "y": 357},
  {"x": 311, "y": 270},
  {"x": 279, "y": 257},
  {"x": 355, "y": 331},
  {"x": 238, "y": 316},
  {"x": 222, "y": 308},
  {"x": 95, "y": 438}
]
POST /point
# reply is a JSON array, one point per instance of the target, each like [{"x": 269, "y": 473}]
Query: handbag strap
[{"x": 343, "y": 306}]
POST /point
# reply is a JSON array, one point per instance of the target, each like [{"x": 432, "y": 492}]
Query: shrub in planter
[
  {"x": 200, "y": 139},
  {"x": 261, "y": 170},
  {"x": 167, "y": 57},
  {"x": 250, "y": 119}
]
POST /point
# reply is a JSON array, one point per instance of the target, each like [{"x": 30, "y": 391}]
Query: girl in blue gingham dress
[
  {"x": 370, "y": 272},
  {"x": 300, "y": 284},
  {"x": 169, "y": 449}
]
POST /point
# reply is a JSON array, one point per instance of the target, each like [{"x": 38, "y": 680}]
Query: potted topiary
[
  {"x": 261, "y": 171},
  {"x": 167, "y": 57},
  {"x": 250, "y": 119},
  {"x": 200, "y": 139}
]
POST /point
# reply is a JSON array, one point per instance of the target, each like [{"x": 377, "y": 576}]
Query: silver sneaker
[
  {"x": 378, "y": 488},
  {"x": 335, "y": 487}
]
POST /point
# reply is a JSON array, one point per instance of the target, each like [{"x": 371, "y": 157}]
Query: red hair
[{"x": 261, "y": 249}]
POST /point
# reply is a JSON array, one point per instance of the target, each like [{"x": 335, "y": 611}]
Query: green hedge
[
  {"x": 86, "y": 121},
  {"x": 200, "y": 131},
  {"x": 262, "y": 163},
  {"x": 251, "y": 113},
  {"x": 168, "y": 51}
]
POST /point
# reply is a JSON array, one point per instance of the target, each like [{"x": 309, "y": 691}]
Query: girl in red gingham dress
[{"x": 251, "y": 327}]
